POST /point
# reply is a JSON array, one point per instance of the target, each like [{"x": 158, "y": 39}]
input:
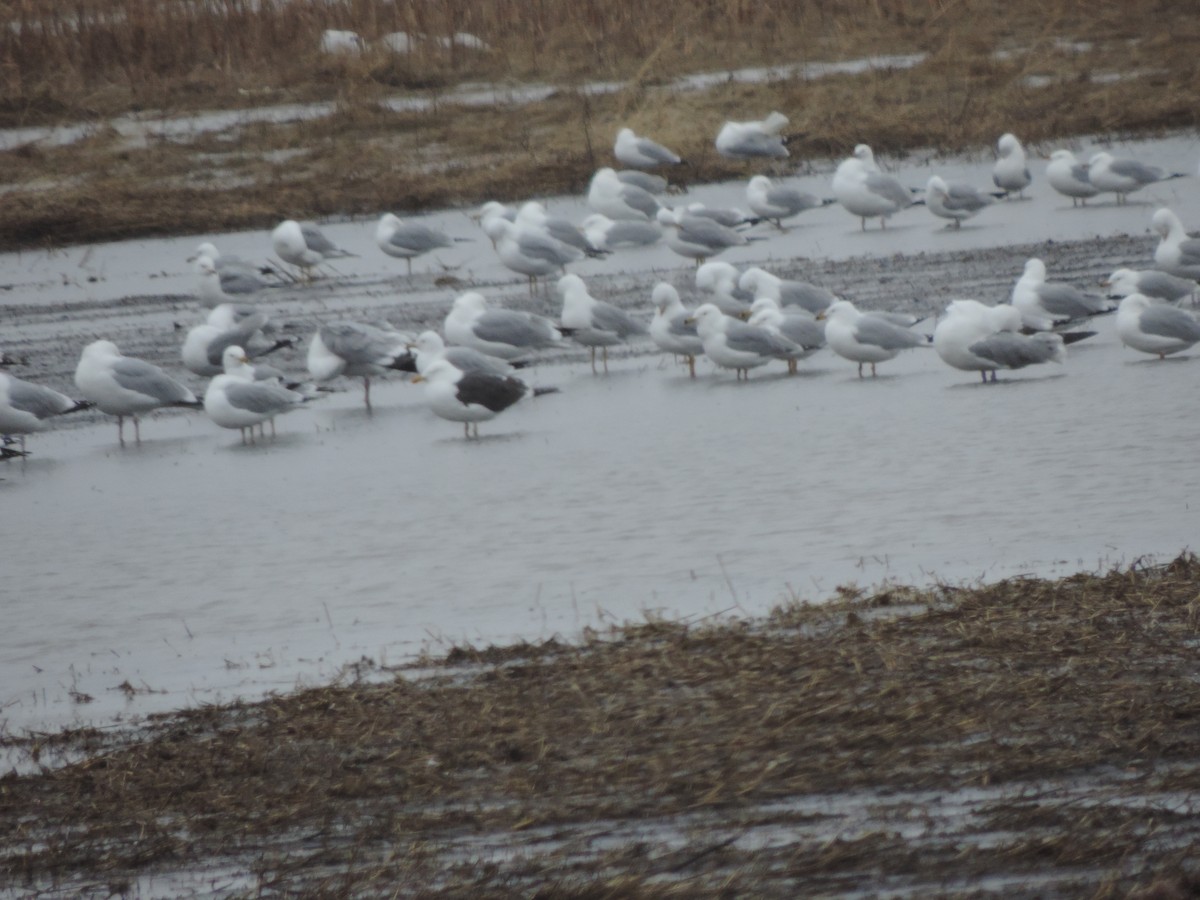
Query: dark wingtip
[
  {"x": 10, "y": 453},
  {"x": 80, "y": 406},
  {"x": 405, "y": 363},
  {"x": 539, "y": 391},
  {"x": 1071, "y": 337}
]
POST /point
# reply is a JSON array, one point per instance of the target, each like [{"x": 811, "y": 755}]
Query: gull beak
[
  {"x": 744, "y": 315},
  {"x": 416, "y": 379},
  {"x": 690, "y": 320},
  {"x": 245, "y": 359},
  {"x": 822, "y": 315}
]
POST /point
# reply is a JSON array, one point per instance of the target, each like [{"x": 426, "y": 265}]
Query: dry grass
[
  {"x": 92, "y": 59},
  {"x": 669, "y": 761}
]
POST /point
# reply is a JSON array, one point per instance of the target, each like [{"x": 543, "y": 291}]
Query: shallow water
[{"x": 193, "y": 569}]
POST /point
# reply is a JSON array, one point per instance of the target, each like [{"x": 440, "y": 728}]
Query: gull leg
[
  {"x": 121, "y": 430},
  {"x": 873, "y": 373},
  {"x": 467, "y": 430},
  {"x": 137, "y": 431},
  {"x": 367, "y": 391},
  {"x": 691, "y": 361},
  {"x": 604, "y": 354},
  {"x": 593, "y": 354},
  {"x": 860, "y": 374}
]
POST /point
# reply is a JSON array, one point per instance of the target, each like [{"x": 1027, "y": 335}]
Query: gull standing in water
[
  {"x": 979, "y": 338},
  {"x": 357, "y": 350},
  {"x": 25, "y": 407},
  {"x": 1069, "y": 177},
  {"x": 669, "y": 329},
  {"x": 124, "y": 386},
  {"x": 304, "y": 245},
  {"x": 593, "y": 322},
  {"x": 866, "y": 192},
  {"x": 777, "y": 202},
  {"x": 1177, "y": 252},
  {"x": 1011, "y": 171},
  {"x": 863, "y": 338},
  {"x": 1155, "y": 327},
  {"x": 953, "y": 201},
  {"x": 1044, "y": 305},
  {"x": 472, "y": 396},
  {"x": 406, "y": 239},
  {"x": 234, "y": 399},
  {"x": 505, "y": 333},
  {"x": 732, "y": 344},
  {"x": 1122, "y": 176},
  {"x": 698, "y": 237}
]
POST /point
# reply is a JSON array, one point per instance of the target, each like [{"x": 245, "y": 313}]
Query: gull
[
  {"x": 1122, "y": 176},
  {"x": 864, "y": 339},
  {"x": 217, "y": 286},
  {"x": 729, "y": 216},
  {"x": 1069, "y": 177},
  {"x": 719, "y": 280},
  {"x": 669, "y": 329},
  {"x": 609, "y": 195},
  {"x": 698, "y": 237},
  {"x": 1043, "y": 305},
  {"x": 471, "y": 397},
  {"x": 357, "y": 350},
  {"x": 529, "y": 251},
  {"x": 799, "y": 328},
  {"x": 1177, "y": 252},
  {"x": 650, "y": 183},
  {"x": 604, "y": 233},
  {"x": 429, "y": 347},
  {"x": 407, "y": 240},
  {"x": 732, "y": 344},
  {"x": 801, "y": 294},
  {"x": 753, "y": 140},
  {"x": 236, "y": 401},
  {"x": 1151, "y": 283},
  {"x": 533, "y": 215},
  {"x": 954, "y": 201},
  {"x": 1155, "y": 327},
  {"x": 225, "y": 327},
  {"x": 25, "y": 407},
  {"x": 776, "y": 203},
  {"x": 639, "y": 152},
  {"x": 1011, "y": 171},
  {"x": 593, "y": 322},
  {"x": 866, "y": 192},
  {"x": 979, "y": 338},
  {"x": 124, "y": 386},
  {"x": 504, "y": 333},
  {"x": 304, "y": 245}
]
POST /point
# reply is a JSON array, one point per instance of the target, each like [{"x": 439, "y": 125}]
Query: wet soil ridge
[{"x": 1030, "y": 736}]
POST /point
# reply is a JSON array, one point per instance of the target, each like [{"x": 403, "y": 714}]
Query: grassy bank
[
  {"x": 1037, "y": 735},
  {"x": 90, "y": 61}
]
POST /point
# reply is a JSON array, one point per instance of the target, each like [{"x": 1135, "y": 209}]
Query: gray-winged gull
[
  {"x": 754, "y": 140},
  {"x": 1177, "y": 252},
  {"x": 26, "y": 407},
  {"x": 527, "y": 250},
  {"x": 607, "y": 234},
  {"x": 1069, "y": 177},
  {"x": 810, "y": 297},
  {"x": 1122, "y": 176},
  {"x": 720, "y": 280},
  {"x": 1155, "y": 327},
  {"x": 865, "y": 339},
  {"x": 798, "y": 326},
  {"x": 237, "y": 401},
  {"x": 1011, "y": 171},
  {"x": 609, "y": 195},
  {"x": 358, "y": 350},
  {"x": 406, "y": 239},
  {"x": 697, "y": 237},
  {"x": 593, "y": 322},
  {"x": 866, "y": 192},
  {"x": 639, "y": 152},
  {"x": 1043, "y": 304},
  {"x": 304, "y": 245},
  {"x": 732, "y": 344},
  {"x": 429, "y": 347},
  {"x": 124, "y": 386},
  {"x": 776, "y": 202},
  {"x": 1151, "y": 283},
  {"x": 226, "y": 327},
  {"x": 978, "y": 338},
  {"x": 504, "y": 333},
  {"x": 955, "y": 201},
  {"x": 669, "y": 328}
]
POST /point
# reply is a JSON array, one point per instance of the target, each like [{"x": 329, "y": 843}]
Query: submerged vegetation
[
  {"x": 975, "y": 68},
  {"x": 1038, "y": 737}
]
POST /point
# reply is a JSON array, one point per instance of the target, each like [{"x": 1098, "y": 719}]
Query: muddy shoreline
[{"x": 1031, "y": 738}]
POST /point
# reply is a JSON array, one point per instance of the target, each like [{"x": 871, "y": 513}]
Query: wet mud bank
[{"x": 1029, "y": 738}]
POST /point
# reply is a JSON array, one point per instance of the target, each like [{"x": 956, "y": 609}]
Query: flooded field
[{"x": 192, "y": 569}]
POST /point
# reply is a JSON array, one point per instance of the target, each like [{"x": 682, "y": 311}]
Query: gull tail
[
  {"x": 1070, "y": 337},
  {"x": 79, "y": 406},
  {"x": 11, "y": 453},
  {"x": 405, "y": 362},
  {"x": 278, "y": 345},
  {"x": 188, "y": 404},
  {"x": 540, "y": 391}
]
